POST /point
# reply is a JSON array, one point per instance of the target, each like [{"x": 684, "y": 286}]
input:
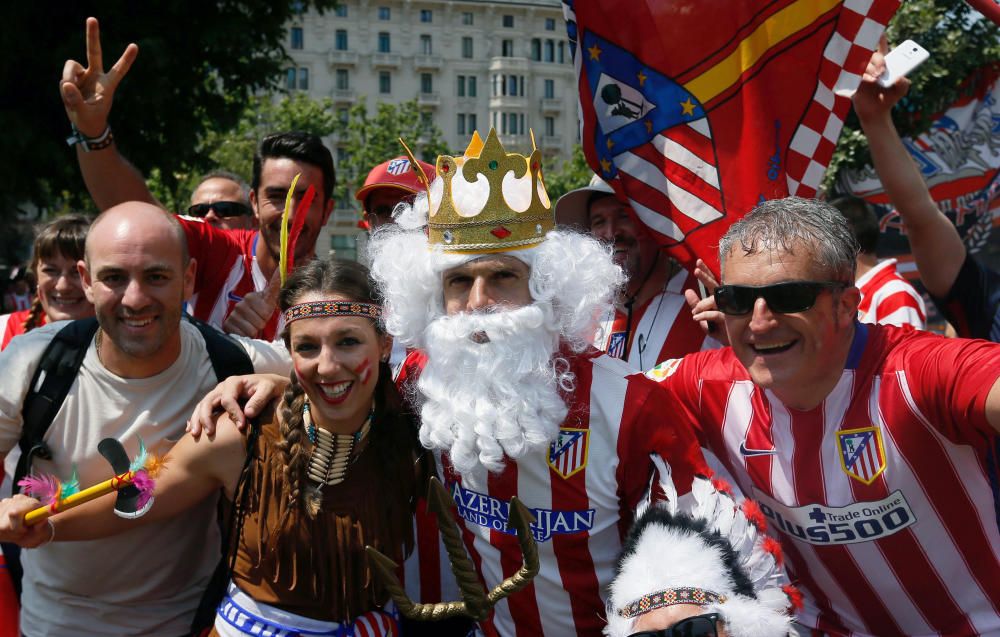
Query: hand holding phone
[{"x": 900, "y": 61}]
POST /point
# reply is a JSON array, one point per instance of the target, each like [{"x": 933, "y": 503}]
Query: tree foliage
[
  {"x": 372, "y": 138},
  {"x": 571, "y": 174},
  {"x": 198, "y": 63},
  {"x": 960, "y": 41},
  {"x": 233, "y": 149}
]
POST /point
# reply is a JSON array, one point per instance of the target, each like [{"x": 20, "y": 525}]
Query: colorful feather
[
  {"x": 140, "y": 458},
  {"x": 45, "y": 489},
  {"x": 71, "y": 486},
  {"x": 283, "y": 256},
  {"x": 142, "y": 481},
  {"x": 301, "y": 211}
]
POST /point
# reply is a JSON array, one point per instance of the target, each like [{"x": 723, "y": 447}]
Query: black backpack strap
[
  {"x": 227, "y": 355},
  {"x": 56, "y": 373}
]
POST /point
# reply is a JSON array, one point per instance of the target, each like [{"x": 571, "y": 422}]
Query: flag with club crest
[{"x": 695, "y": 111}]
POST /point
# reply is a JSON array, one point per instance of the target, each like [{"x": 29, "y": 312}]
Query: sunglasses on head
[
  {"x": 697, "y": 626},
  {"x": 221, "y": 208},
  {"x": 783, "y": 298}
]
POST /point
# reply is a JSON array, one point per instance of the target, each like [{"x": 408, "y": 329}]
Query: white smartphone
[{"x": 901, "y": 60}]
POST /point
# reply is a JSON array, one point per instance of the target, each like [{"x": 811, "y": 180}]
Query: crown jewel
[{"x": 489, "y": 200}]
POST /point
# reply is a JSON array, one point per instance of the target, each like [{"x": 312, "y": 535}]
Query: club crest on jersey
[
  {"x": 664, "y": 369},
  {"x": 616, "y": 345},
  {"x": 398, "y": 166},
  {"x": 568, "y": 453},
  {"x": 862, "y": 454}
]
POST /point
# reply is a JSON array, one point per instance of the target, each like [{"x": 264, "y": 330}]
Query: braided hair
[
  {"x": 393, "y": 437},
  {"x": 64, "y": 237}
]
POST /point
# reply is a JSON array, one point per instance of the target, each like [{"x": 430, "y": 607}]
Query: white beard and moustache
[{"x": 483, "y": 398}]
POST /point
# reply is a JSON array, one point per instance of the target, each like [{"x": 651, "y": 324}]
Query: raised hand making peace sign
[{"x": 87, "y": 92}]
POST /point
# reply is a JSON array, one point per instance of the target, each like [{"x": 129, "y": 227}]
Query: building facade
[{"x": 471, "y": 65}]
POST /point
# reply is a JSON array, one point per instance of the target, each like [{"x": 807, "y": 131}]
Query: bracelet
[
  {"x": 52, "y": 536},
  {"x": 88, "y": 144}
]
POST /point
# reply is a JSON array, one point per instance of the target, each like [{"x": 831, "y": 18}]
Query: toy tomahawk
[{"x": 133, "y": 480}]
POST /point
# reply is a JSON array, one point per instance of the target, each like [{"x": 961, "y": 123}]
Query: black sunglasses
[
  {"x": 221, "y": 208},
  {"x": 697, "y": 626},
  {"x": 783, "y": 298}
]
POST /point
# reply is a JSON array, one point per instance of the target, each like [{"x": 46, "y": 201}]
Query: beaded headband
[
  {"x": 670, "y": 597},
  {"x": 321, "y": 309}
]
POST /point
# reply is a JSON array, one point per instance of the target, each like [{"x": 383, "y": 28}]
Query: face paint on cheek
[
  {"x": 364, "y": 371},
  {"x": 298, "y": 373}
]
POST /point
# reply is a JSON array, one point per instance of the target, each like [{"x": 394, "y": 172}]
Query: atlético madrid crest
[
  {"x": 398, "y": 166},
  {"x": 862, "y": 454},
  {"x": 568, "y": 453}
]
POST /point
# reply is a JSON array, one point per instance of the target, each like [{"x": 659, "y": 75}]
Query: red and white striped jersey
[
  {"x": 885, "y": 495},
  {"x": 661, "y": 329},
  {"x": 889, "y": 299},
  {"x": 227, "y": 270},
  {"x": 582, "y": 493}
]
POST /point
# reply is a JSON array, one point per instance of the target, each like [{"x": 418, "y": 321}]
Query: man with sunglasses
[
  {"x": 220, "y": 198},
  {"x": 235, "y": 286},
  {"x": 871, "y": 448}
]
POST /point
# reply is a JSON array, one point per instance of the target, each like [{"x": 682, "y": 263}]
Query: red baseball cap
[{"x": 395, "y": 173}]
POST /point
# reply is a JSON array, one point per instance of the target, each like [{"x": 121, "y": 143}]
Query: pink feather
[
  {"x": 145, "y": 484},
  {"x": 299, "y": 220},
  {"x": 43, "y": 488}
]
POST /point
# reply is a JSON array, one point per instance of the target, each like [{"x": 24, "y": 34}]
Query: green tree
[
  {"x": 233, "y": 149},
  {"x": 198, "y": 63},
  {"x": 370, "y": 139},
  {"x": 571, "y": 174},
  {"x": 959, "y": 40}
]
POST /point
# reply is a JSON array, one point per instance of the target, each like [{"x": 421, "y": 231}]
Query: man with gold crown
[{"x": 500, "y": 308}]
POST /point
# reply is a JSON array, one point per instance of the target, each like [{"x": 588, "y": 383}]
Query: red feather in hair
[{"x": 298, "y": 221}]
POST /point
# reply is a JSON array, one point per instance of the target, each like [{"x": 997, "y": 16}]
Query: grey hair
[{"x": 782, "y": 224}]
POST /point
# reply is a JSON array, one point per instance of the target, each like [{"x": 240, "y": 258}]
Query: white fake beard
[{"x": 487, "y": 397}]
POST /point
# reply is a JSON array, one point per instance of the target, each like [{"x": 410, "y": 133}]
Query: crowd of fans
[{"x": 520, "y": 418}]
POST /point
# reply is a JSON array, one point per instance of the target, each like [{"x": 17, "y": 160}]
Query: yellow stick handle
[{"x": 90, "y": 493}]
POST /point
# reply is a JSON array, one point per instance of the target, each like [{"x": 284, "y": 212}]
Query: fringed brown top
[{"x": 317, "y": 567}]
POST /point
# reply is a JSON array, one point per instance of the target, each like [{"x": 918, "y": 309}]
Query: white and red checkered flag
[{"x": 694, "y": 111}]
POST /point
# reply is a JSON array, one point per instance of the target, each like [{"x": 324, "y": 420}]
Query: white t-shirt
[{"x": 146, "y": 581}]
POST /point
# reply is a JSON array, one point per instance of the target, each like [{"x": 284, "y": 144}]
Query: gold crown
[{"x": 496, "y": 225}]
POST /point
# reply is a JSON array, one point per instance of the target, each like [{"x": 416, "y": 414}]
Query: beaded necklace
[{"x": 331, "y": 453}]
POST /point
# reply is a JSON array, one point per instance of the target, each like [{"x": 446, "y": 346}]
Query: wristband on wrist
[{"x": 90, "y": 143}]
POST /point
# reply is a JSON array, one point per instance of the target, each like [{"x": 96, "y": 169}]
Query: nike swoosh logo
[{"x": 756, "y": 452}]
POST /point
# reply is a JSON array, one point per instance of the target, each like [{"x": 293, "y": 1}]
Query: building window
[
  {"x": 472, "y": 86},
  {"x": 426, "y": 15},
  {"x": 342, "y": 152},
  {"x": 461, "y": 123},
  {"x": 507, "y": 48},
  {"x": 384, "y": 82},
  {"x": 467, "y": 18},
  {"x": 550, "y": 126},
  {"x": 472, "y": 123},
  {"x": 426, "y": 83},
  {"x": 562, "y": 52},
  {"x": 340, "y": 11},
  {"x": 511, "y": 85},
  {"x": 550, "y": 89},
  {"x": 383, "y": 42},
  {"x": 536, "y": 49},
  {"x": 508, "y": 21},
  {"x": 343, "y": 116},
  {"x": 426, "y": 119},
  {"x": 550, "y": 24},
  {"x": 297, "y": 38},
  {"x": 425, "y": 45},
  {"x": 340, "y": 40},
  {"x": 297, "y": 79},
  {"x": 342, "y": 80},
  {"x": 384, "y": 14},
  {"x": 467, "y": 48},
  {"x": 550, "y": 51},
  {"x": 461, "y": 86}
]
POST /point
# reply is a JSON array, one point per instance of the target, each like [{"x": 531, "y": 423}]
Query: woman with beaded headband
[
  {"x": 333, "y": 468},
  {"x": 59, "y": 297}
]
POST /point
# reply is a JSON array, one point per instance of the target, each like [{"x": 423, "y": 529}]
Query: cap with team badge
[{"x": 395, "y": 173}]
